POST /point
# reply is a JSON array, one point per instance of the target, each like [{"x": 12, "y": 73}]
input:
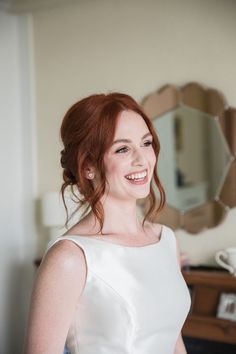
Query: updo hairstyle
[{"x": 87, "y": 132}]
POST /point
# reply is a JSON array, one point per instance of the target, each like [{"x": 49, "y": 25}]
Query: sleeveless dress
[{"x": 135, "y": 299}]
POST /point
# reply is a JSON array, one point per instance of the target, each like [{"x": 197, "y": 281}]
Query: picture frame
[{"x": 227, "y": 306}]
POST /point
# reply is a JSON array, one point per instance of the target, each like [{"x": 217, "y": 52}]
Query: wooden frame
[
  {"x": 212, "y": 102},
  {"x": 202, "y": 321}
]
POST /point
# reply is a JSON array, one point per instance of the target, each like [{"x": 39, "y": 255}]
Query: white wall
[
  {"x": 134, "y": 46},
  {"x": 18, "y": 239}
]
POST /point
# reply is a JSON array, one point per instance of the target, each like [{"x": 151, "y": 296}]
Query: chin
[{"x": 142, "y": 195}]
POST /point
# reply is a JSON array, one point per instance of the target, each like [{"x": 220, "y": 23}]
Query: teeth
[{"x": 137, "y": 175}]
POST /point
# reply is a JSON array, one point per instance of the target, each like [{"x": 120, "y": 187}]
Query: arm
[
  {"x": 58, "y": 286},
  {"x": 179, "y": 347}
]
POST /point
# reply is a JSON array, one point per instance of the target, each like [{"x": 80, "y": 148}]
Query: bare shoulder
[
  {"x": 64, "y": 258},
  {"x": 160, "y": 227},
  {"x": 66, "y": 252},
  {"x": 157, "y": 228},
  {"x": 63, "y": 267}
]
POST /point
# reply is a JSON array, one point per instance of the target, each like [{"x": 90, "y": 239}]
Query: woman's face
[{"x": 130, "y": 161}]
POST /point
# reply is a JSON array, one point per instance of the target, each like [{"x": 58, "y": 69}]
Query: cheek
[
  {"x": 152, "y": 158},
  {"x": 113, "y": 167}
]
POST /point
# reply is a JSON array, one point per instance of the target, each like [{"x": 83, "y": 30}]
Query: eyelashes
[
  {"x": 148, "y": 143},
  {"x": 125, "y": 148}
]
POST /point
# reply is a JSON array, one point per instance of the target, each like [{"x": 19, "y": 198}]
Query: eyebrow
[{"x": 128, "y": 140}]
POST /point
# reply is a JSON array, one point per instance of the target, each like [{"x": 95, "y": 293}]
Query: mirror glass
[{"x": 194, "y": 158}]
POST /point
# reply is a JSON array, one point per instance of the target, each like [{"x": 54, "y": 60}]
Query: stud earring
[{"x": 90, "y": 175}]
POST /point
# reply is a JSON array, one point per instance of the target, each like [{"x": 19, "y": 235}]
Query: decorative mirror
[{"x": 197, "y": 165}]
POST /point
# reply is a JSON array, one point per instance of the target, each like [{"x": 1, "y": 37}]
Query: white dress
[{"x": 135, "y": 299}]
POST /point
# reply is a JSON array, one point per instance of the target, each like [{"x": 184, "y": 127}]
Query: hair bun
[{"x": 63, "y": 158}]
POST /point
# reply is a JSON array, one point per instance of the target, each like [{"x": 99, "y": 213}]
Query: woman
[{"x": 112, "y": 284}]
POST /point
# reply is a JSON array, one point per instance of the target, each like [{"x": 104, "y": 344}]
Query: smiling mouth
[{"x": 138, "y": 176}]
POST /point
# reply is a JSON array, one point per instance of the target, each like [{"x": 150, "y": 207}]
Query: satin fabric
[{"x": 135, "y": 299}]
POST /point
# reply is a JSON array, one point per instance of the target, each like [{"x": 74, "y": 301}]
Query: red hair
[{"x": 87, "y": 132}]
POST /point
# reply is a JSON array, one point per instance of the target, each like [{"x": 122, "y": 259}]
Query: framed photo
[{"x": 227, "y": 306}]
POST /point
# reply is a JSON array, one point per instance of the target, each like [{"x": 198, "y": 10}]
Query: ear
[{"x": 89, "y": 171}]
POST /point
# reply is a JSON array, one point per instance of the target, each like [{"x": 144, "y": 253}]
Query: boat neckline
[{"x": 115, "y": 243}]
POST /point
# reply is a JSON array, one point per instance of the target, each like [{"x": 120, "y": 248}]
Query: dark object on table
[{"x": 200, "y": 346}]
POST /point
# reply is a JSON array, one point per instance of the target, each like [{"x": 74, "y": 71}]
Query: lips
[{"x": 137, "y": 176}]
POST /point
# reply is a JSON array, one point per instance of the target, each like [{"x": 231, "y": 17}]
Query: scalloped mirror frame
[{"x": 213, "y": 102}]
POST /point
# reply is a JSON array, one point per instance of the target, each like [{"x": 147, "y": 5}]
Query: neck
[{"x": 120, "y": 217}]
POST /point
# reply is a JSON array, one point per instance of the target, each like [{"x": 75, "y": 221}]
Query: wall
[
  {"x": 18, "y": 239},
  {"x": 136, "y": 47}
]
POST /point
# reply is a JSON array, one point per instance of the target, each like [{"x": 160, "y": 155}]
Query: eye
[
  {"x": 122, "y": 150},
  {"x": 148, "y": 142}
]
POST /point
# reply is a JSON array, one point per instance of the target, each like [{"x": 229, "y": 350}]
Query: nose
[{"x": 138, "y": 158}]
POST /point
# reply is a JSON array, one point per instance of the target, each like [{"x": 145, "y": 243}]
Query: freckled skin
[{"x": 126, "y": 158}]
